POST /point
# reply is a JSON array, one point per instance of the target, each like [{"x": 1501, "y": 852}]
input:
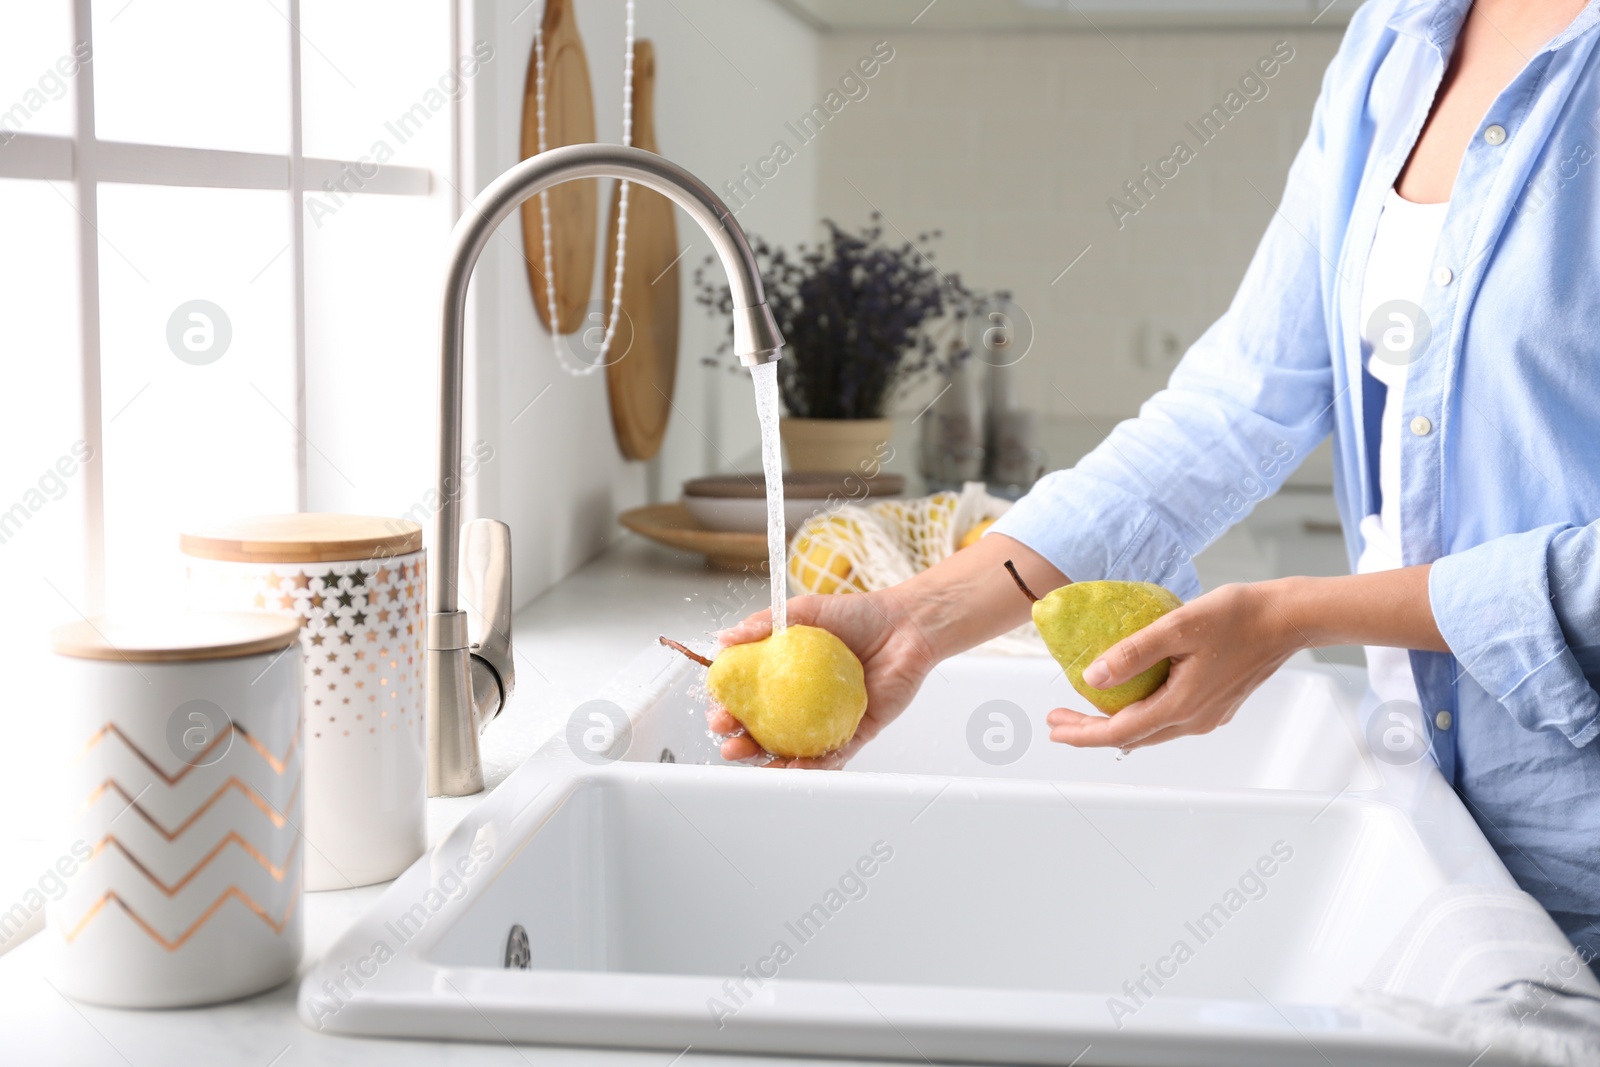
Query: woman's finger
[
  {"x": 753, "y": 628},
  {"x": 1061, "y": 715},
  {"x": 739, "y": 748},
  {"x": 1203, "y": 722},
  {"x": 1170, "y": 733},
  {"x": 738, "y": 745},
  {"x": 1135, "y": 653},
  {"x": 1133, "y": 723},
  {"x": 804, "y": 610},
  {"x": 721, "y": 722},
  {"x": 832, "y": 761}
]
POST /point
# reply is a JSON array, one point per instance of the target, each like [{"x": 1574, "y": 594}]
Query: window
[{"x": 223, "y": 227}]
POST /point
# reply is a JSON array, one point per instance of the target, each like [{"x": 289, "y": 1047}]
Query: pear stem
[
  {"x": 1015, "y": 577},
  {"x": 691, "y": 653}
]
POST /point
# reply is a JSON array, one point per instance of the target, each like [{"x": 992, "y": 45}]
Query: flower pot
[{"x": 836, "y": 444}]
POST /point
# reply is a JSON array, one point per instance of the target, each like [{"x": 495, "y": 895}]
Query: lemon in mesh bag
[
  {"x": 820, "y": 555},
  {"x": 858, "y": 548}
]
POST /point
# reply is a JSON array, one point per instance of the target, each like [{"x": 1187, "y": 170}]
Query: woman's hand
[
  {"x": 902, "y": 632},
  {"x": 1222, "y": 646},
  {"x": 882, "y": 635}
]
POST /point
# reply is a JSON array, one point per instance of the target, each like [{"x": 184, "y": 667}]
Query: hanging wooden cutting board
[
  {"x": 641, "y": 381},
  {"x": 574, "y": 205}
]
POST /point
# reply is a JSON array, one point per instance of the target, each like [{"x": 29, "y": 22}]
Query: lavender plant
[{"x": 860, "y": 317}]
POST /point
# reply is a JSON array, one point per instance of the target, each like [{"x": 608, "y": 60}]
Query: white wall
[
  {"x": 1013, "y": 143},
  {"x": 728, "y": 75}
]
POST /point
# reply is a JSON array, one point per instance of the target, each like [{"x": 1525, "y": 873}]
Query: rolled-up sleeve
[
  {"x": 1521, "y": 613},
  {"x": 1244, "y": 407}
]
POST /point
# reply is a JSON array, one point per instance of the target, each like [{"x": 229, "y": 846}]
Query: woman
[{"x": 1428, "y": 292}]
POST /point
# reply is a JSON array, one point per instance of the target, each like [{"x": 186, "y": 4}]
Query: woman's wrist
[
  {"x": 921, "y": 612},
  {"x": 1385, "y": 608},
  {"x": 968, "y": 598},
  {"x": 1291, "y": 613}
]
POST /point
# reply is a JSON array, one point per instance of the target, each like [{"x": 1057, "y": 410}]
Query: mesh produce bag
[{"x": 858, "y": 548}]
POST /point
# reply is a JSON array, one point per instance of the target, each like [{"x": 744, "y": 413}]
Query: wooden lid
[
  {"x": 176, "y": 638},
  {"x": 305, "y": 537},
  {"x": 798, "y": 485}
]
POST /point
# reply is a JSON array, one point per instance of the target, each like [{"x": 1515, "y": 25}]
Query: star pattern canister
[{"x": 357, "y": 585}]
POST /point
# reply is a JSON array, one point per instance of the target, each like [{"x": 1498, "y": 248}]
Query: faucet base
[{"x": 454, "y": 769}]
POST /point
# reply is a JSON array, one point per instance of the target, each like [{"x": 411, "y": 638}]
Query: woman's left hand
[{"x": 1222, "y": 646}]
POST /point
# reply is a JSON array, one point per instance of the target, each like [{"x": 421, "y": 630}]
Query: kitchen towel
[{"x": 1488, "y": 967}]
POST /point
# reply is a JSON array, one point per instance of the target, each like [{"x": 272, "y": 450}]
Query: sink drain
[{"x": 518, "y": 958}]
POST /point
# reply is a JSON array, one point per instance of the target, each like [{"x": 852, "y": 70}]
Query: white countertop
[{"x": 569, "y": 642}]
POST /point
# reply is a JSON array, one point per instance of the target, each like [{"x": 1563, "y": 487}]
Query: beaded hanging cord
[{"x": 622, "y": 196}]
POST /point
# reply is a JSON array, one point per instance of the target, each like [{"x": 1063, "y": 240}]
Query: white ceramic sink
[
  {"x": 1295, "y": 732},
  {"x": 983, "y": 913}
]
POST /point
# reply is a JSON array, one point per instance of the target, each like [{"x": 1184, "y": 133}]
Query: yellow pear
[
  {"x": 1079, "y": 621},
  {"x": 800, "y": 693}
]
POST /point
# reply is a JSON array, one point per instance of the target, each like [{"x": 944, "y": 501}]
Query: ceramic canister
[
  {"x": 358, "y": 586},
  {"x": 182, "y": 767}
]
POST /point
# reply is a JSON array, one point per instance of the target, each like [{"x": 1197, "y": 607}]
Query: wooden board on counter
[{"x": 672, "y": 525}]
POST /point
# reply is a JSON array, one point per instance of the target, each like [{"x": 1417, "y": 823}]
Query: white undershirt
[{"x": 1397, "y": 269}]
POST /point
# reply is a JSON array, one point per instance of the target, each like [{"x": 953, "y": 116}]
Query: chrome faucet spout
[{"x": 469, "y": 681}]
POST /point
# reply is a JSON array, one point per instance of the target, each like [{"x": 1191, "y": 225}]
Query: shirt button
[
  {"x": 1443, "y": 720},
  {"x": 1443, "y": 276},
  {"x": 1421, "y": 426},
  {"x": 1495, "y": 134}
]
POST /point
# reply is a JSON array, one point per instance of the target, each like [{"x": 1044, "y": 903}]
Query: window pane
[
  {"x": 37, "y": 65},
  {"x": 39, "y": 349},
  {"x": 198, "y": 371},
  {"x": 195, "y": 73},
  {"x": 41, "y": 486},
  {"x": 372, "y": 323},
  {"x": 375, "y": 64}
]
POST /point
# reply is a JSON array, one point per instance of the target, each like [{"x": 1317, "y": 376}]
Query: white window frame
[{"x": 87, "y": 162}]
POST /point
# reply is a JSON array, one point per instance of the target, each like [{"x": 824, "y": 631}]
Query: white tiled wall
[{"x": 1013, "y": 143}]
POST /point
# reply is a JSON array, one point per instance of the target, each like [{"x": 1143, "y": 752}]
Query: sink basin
[
  {"x": 1053, "y": 907},
  {"x": 1295, "y": 732}
]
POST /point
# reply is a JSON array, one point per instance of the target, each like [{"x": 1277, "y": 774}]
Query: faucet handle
[{"x": 485, "y": 590}]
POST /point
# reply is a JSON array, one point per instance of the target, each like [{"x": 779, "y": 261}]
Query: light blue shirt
[{"x": 1500, "y": 462}]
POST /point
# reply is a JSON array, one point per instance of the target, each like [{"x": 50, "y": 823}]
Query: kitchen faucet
[{"x": 469, "y": 660}]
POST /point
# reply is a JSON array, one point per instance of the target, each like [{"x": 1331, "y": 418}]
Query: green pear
[
  {"x": 1079, "y": 621},
  {"x": 800, "y": 693}
]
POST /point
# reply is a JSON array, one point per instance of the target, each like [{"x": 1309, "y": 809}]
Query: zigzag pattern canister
[{"x": 182, "y": 766}]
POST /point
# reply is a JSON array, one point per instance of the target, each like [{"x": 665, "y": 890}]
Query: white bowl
[
  {"x": 748, "y": 515},
  {"x": 736, "y": 503}
]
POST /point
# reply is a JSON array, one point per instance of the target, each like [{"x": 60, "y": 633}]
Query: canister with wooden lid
[
  {"x": 358, "y": 585},
  {"x": 178, "y": 837}
]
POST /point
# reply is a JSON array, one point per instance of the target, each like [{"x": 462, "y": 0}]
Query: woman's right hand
[
  {"x": 900, "y": 633},
  {"x": 878, "y": 630}
]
